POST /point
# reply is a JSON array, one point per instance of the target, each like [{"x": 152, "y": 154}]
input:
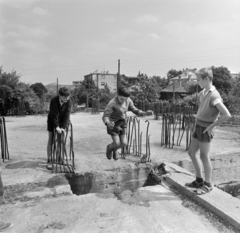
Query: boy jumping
[
  {"x": 114, "y": 117},
  {"x": 210, "y": 106},
  {"x": 58, "y": 118}
]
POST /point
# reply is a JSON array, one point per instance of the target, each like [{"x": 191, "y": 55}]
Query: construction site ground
[{"x": 117, "y": 198}]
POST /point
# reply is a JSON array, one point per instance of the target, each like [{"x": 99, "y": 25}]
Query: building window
[{"x": 102, "y": 83}]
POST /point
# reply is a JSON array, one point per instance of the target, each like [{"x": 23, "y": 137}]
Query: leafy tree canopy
[
  {"x": 9, "y": 79},
  {"x": 39, "y": 89},
  {"x": 222, "y": 79},
  {"x": 173, "y": 73}
]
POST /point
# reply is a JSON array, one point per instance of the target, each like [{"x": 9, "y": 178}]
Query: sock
[
  {"x": 208, "y": 184},
  {"x": 199, "y": 180}
]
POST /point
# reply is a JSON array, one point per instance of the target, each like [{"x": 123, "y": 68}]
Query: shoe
[
  {"x": 109, "y": 152},
  {"x": 5, "y": 226},
  {"x": 203, "y": 190},
  {"x": 115, "y": 155},
  {"x": 194, "y": 184},
  {"x": 49, "y": 166}
]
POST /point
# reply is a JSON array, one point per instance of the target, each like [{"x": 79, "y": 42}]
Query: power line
[
  {"x": 134, "y": 60},
  {"x": 136, "y": 63}
]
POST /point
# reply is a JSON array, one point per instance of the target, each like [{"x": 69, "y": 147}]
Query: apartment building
[{"x": 101, "y": 79}]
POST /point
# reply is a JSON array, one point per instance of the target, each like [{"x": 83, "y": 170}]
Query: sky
[{"x": 46, "y": 40}]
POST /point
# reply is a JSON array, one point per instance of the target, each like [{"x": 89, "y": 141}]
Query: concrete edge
[
  {"x": 205, "y": 200},
  {"x": 57, "y": 190}
]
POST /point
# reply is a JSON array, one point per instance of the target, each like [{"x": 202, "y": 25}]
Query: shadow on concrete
[
  {"x": 27, "y": 164},
  {"x": 144, "y": 197}
]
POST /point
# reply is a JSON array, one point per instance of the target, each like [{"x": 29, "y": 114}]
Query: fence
[
  {"x": 95, "y": 106},
  {"x": 162, "y": 107},
  {"x": 19, "y": 109}
]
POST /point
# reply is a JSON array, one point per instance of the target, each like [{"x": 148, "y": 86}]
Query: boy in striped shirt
[
  {"x": 114, "y": 117},
  {"x": 207, "y": 118}
]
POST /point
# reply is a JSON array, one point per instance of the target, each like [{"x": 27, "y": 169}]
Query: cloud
[
  {"x": 123, "y": 34},
  {"x": 28, "y": 46},
  {"x": 146, "y": 19},
  {"x": 18, "y": 3},
  {"x": 125, "y": 50},
  {"x": 109, "y": 19},
  {"x": 11, "y": 34},
  {"x": 153, "y": 36},
  {"x": 24, "y": 44},
  {"x": 39, "y": 11},
  {"x": 33, "y": 31}
]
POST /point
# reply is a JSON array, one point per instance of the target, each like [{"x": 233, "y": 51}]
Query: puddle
[{"x": 116, "y": 182}]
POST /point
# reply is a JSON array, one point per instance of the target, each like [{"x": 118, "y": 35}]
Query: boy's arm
[
  {"x": 224, "y": 115},
  {"x": 66, "y": 116},
  {"x": 106, "y": 114},
  {"x": 135, "y": 110}
]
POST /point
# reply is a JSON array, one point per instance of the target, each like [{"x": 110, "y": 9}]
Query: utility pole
[
  {"x": 173, "y": 91},
  {"x": 118, "y": 74},
  {"x": 57, "y": 86}
]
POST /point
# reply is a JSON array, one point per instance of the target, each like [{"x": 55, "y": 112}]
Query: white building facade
[{"x": 102, "y": 79}]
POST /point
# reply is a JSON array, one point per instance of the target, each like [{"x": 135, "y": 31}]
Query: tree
[
  {"x": 9, "y": 79},
  {"x": 105, "y": 96},
  {"x": 233, "y": 101},
  {"x": 6, "y": 99},
  {"x": 173, "y": 73},
  {"x": 222, "y": 79},
  {"x": 149, "y": 88},
  {"x": 86, "y": 92},
  {"x": 39, "y": 89}
]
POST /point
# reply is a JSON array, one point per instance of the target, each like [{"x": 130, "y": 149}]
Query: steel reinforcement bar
[
  {"x": 4, "y": 142},
  {"x": 62, "y": 161}
]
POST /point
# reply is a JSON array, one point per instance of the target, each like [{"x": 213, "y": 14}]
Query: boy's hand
[
  {"x": 209, "y": 130},
  {"x": 141, "y": 113},
  {"x": 110, "y": 125},
  {"x": 60, "y": 130}
]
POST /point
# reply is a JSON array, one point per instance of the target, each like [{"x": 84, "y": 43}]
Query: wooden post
[{"x": 118, "y": 74}]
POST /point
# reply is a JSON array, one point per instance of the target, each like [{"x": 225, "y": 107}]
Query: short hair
[
  {"x": 63, "y": 91},
  {"x": 124, "y": 91},
  {"x": 206, "y": 73}
]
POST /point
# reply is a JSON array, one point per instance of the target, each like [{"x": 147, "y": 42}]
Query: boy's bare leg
[
  {"x": 204, "y": 153},
  {"x": 1, "y": 188},
  {"x": 123, "y": 140},
  {"x": 49, "y": 146},
  {"x": 116, "y": 144},
  {"x": 194, "y": 147}
]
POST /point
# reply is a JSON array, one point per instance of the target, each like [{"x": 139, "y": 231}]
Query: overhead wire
[{"x": 137, "y": 62}]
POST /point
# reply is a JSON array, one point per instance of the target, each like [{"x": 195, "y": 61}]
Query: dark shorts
[
  {"x": 118, "y": 129},
  {"x": 200, "y": 136}
]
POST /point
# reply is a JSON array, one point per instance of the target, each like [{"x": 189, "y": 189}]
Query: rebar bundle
[
  {"x": 62, "y": 161},
  {"x": 134, "y": 140},
  {"x": 173, "y": 128},
  {"x": 4, "y": 142}
]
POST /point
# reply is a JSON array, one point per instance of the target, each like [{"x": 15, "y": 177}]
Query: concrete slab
[
  {"x": 43, "y": 207},
  {"x": 149, "y": 209},
  {"x": 217, "y": 201}
]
